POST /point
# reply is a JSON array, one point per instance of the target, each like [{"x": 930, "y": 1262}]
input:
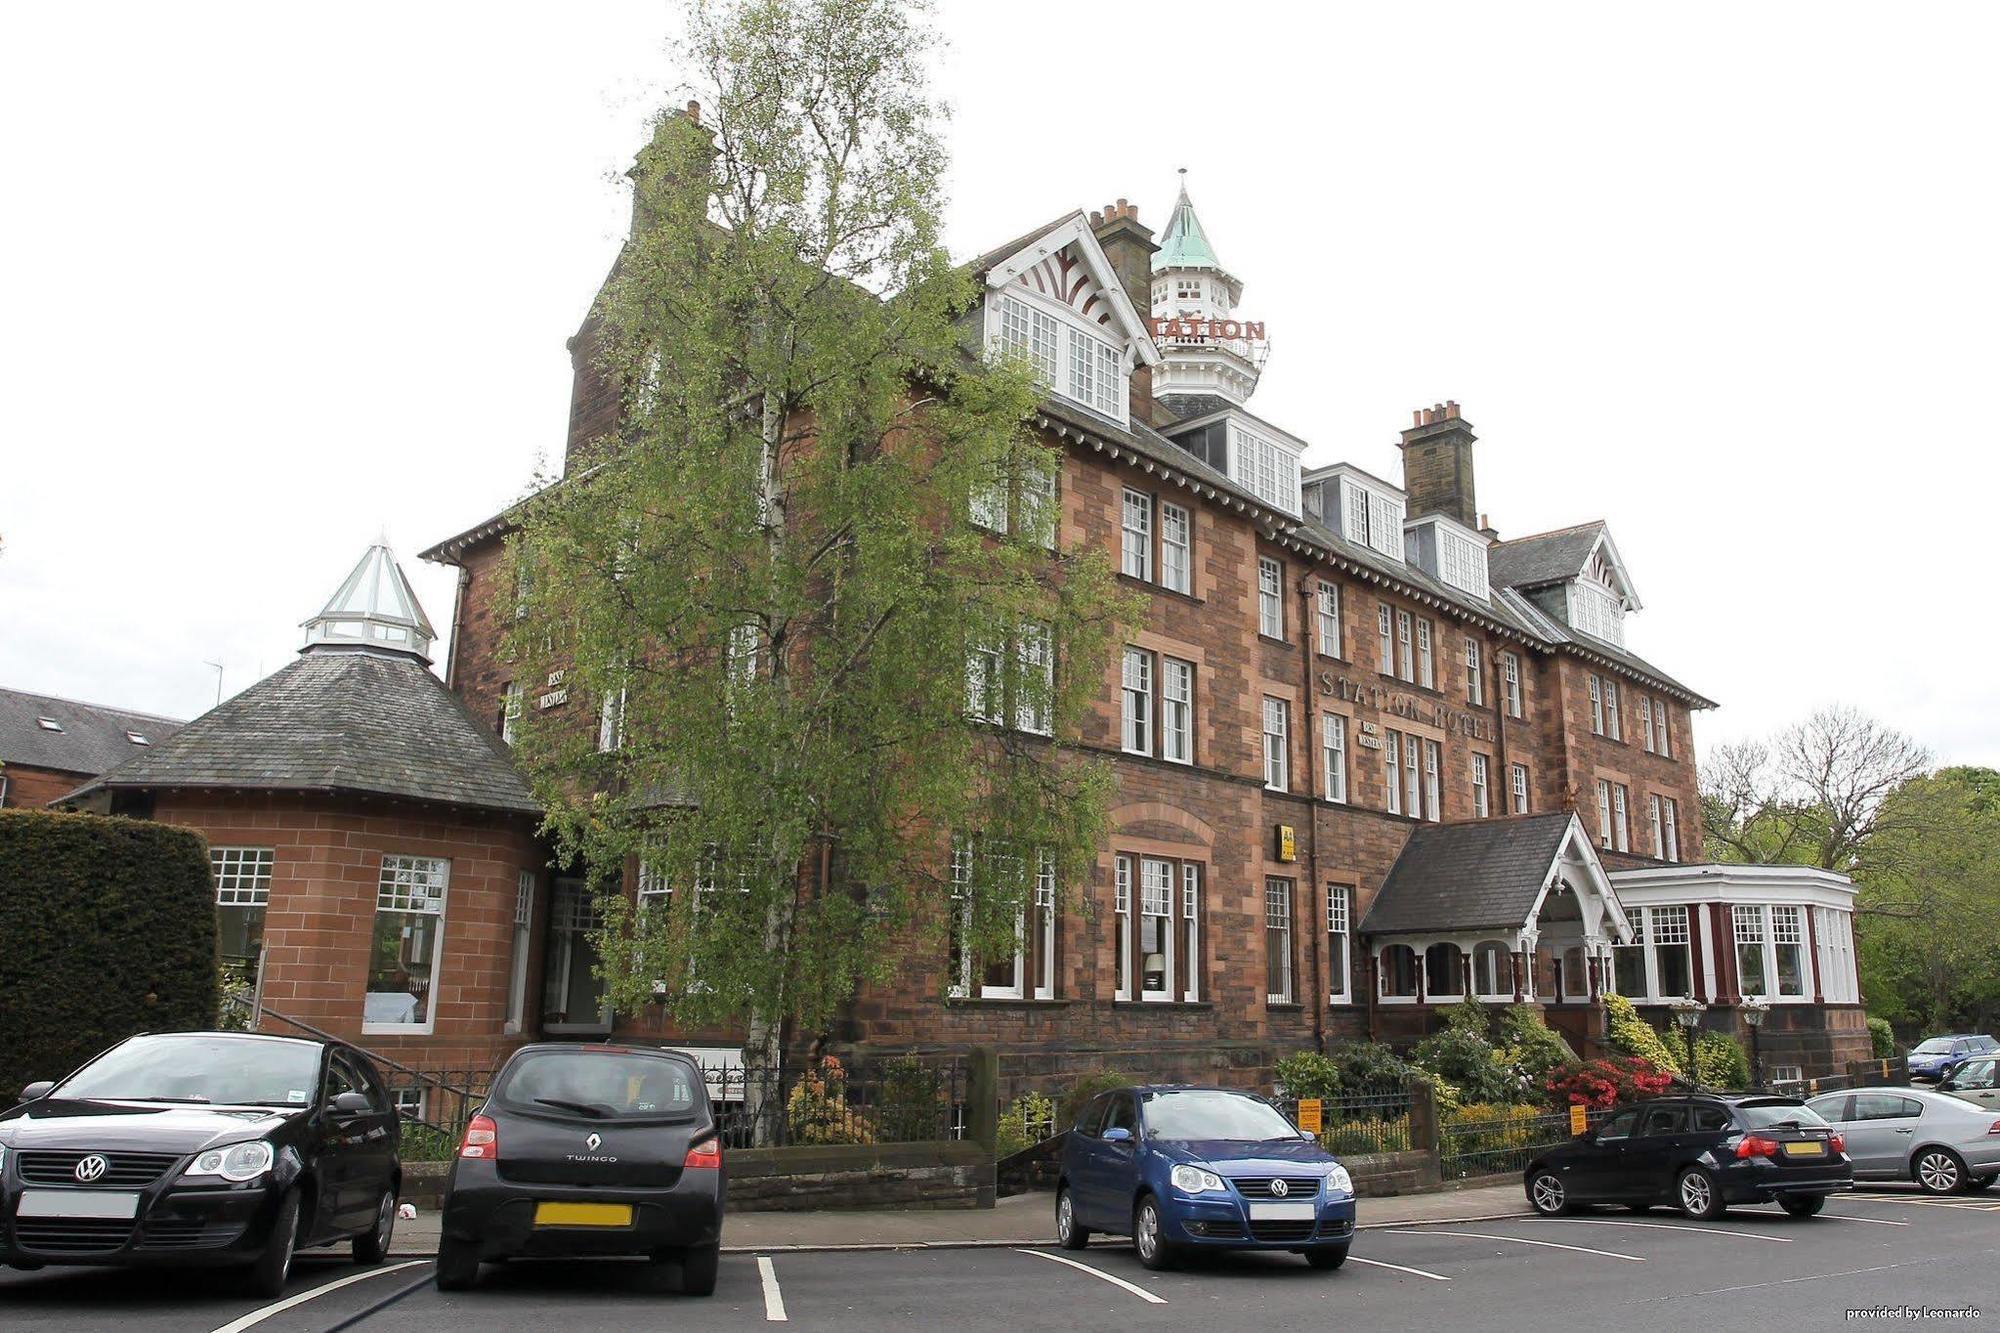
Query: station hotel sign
[{"x": 1429, "y": 712}]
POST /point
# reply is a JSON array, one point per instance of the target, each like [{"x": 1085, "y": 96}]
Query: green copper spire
[{"x": 1185, "y": 245}]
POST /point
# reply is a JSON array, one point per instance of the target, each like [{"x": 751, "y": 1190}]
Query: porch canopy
[{"x": 1496, "y": 909}]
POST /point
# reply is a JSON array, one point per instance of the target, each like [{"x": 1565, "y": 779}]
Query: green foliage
[
  {"x": 1529, "y": 1045},
  {"x": 817, "y": 1111},
  {"x": 1722, "y": 1060},
  {"x": 776, "y": 567},
  {"x": 235, "y": 989},
  {"x": 1466, "y": 1064},
  {"x": 1349, "y": 1069},
  {"x": 421, "y": 1143},
  {"x": 1355, "y": 1138},
  {"x": 911, "y": 1107},
  {"x": 109, "y": 930},
  {"x": 1486, "y": 1138},
  {"x": 1081, "y": 1092},
  {"x": 1022, "y": 1125},
  {"x": 1881, "y": 1037},
  {"x": 1630, "y": 1034}
]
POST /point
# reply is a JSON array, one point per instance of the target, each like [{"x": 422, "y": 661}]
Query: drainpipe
[
  {"x": 457, "y": 627},
  {"x": 1503, "y": 776},
  {"x": 1307, "y": 628}
]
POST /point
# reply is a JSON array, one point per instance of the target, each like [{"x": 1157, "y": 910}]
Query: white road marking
[
  {"x": 1377, "y": 1263},
  {"x": 258, "y": 1316},
  {"x": 1872, "y": 1221},
  {"x": 1669, "y": 1226},
  {"x": 1788, "y": 1281},
  {"x": 1961, "y": 1205},
  {"x": 1138, "y": 1291},
  {"x": 774, "y": 1300},
  {"x": 1523, "y": 1240}
]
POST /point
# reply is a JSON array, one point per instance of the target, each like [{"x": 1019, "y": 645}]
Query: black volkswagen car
[
  {"x": 1700, "y": 1153},
  {"x": 588, "y": 1151},
  {"x": 211, "y": 1148}
]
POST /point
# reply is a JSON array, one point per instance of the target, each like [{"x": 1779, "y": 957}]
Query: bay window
[
  {"x": 1658, "y": 964},
  {"x": 1788, "y": 950},
  {"x": 1333, "y": 747},
  {"x": 1834, "y": 941},
  {"x": 1278, "y": 941},
  {"x": 1339, "y": 902},
  {"x": 1770, "y": 951},
  {"x": 1753, "y": 974},
  {"x": 403, "y": 955}
]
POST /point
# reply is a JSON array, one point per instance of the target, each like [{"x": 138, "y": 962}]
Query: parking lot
[{"x": 1874, "y": 1248}]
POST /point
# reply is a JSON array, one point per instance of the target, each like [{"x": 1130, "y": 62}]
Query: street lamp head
[
  {"x": 1754, "y": 1011},
  {"x": 1688, "y": 1012}
]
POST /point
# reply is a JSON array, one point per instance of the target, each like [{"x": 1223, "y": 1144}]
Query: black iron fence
[
  {"x": 1489, "y": 1144},
  {"x": 906, "y": 1099}
]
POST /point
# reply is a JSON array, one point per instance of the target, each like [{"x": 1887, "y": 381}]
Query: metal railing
[
  {"x": 1494, "y": 1145},
  {"x": 830, "y": 1101}
]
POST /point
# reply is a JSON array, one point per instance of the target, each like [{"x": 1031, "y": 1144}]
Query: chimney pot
[
  {"x": 1451, "y": 409},
  {"x": 1417, "y": 416},
  {"x": 694, "y": 112},
  {"x": 1096, "y": 219}
]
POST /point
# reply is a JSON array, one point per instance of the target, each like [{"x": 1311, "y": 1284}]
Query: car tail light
[
  {"x": 706, "y": 1153},
  {"x": 1755, "y": 1145},
  {"x": 1995, "y": 1129},
  {"x": 482, "y": 1139},
  {"x": 1836, "y": 1143}
]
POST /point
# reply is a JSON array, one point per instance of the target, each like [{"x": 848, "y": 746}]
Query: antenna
[{"x": 218, "y": 679}]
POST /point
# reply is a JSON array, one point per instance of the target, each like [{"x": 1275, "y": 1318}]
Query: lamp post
[
  {"x": 1753, "y": 1014},
  {"x": 1688, "y": 1014}
]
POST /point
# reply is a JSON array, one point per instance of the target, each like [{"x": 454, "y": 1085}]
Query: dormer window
[
  {"x": 1367, "y": 515},
  {"x": 1597, "y": 611},
  {"x": 1067, "y": 359},
  {"x": 1267, "y": 469}
]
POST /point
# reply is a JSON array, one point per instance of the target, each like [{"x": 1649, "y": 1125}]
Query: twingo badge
[{"x": 1288, "y": 843}]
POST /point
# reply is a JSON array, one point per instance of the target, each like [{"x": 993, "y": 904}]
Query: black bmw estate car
[
  {"x": 201, "y": 1148},
  {"x": 589, "y": 1151},
  {"x": 1700, "y": 1153}
]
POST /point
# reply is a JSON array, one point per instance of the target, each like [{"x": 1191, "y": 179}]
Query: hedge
[{"x": 110, "y": 931}]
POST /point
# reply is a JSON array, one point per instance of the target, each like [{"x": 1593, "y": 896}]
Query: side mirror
[
  {"x": 1117, "y": 1135},
  {"x": 34, "y": 1092},
  {"x": 1308, "y": 1136},
  {"x": 351, "y": 1103}
]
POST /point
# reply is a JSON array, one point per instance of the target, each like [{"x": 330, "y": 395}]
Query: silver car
[
  {"x": 1976, "y": 1081},
  {"x": 1942, "y": 1142}
]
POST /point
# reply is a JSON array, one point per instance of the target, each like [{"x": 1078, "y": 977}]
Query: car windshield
[
  {"x": 593, "y": 1083},
  {"x": 1213, "y": 1115},
  {"x": 1935, "y": 1046},
  {"x": 218, "y": 1069},
  {"x": 1778, "y": 1115}
]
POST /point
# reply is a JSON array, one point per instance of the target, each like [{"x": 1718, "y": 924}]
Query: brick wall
[{"x": 32, "y": 788}]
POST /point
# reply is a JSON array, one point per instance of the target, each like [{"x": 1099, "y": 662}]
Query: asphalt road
[{"x": 1610, "y": 1268}]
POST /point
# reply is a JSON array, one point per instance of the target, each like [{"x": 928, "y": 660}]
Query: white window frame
[
  {"x": 985, "y": 689},
  {"x": 1176, "y": 549},
  {"x": 1596, "y": 705},
  {"x": 1475, "y": 681},
  {"x": 1482, "y": 800},
  {"x": 1339, "y": 940},
  {"x": 242, "y": 878},
  {"x": 1765, "y": 922},
  {"x": 397, "y": 880},
  {"x": 510, "y": 712},
  {"x": 1122, "y": 933},
  {"x": 1673, "y": 828},
  {"x": 1385, "y": 650},
  {"x": 1604, "y": 812},
  {"x": 1136, "y": 536},
  {"x": 1617, "y": 732},
  {"x": 1278, "y": 919},
  {"x": 1035, "y": 653},
  {"x": 1158, "y": 887},
  {"x": 1659, "y": 830},
  {"x": 1270, "y": 598},
  {"x": 1333, "y": 754},
  {"x": 1136, "y": 698},
  {"x": 1621, "y": 816},
  {"x": 1426, "y": 659},
  {"x": 1517, "y": 787},
  {"x": 517, "y": 964},
  {"x": 1277, "y": 744},
  {"x": 1433, "y": 794},
  {"x": 1504, "y": 989},
  {"x": 1664, "y": 739},
  {"x": 1328, "y": 608},
  {"x": 1413, "y": 776},
  {"x": 1510, "y": 673},
  {"x": 1191, "y": 916},
  {"x": 1045, "y": 924},
  {"x": 1392, "y": 753},
  {"x": 611, "y": 722},
  {"x": 1655, "y": 929},
  {"x": 1406, "y": 667},
  {"x": 1646, "y": 723},
  {"x": 1176, "y": 710}
]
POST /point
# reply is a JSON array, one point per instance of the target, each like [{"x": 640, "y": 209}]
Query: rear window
[
  {"x": 1984, "y": 1044},
  {"x": 590, "y": 1083},
  {"x": 1774, "y": 1115}
]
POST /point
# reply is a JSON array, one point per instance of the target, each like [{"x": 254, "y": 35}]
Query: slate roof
[
  {"x": 1545, "y": 558},
  {"x": 338, "y": 720},
  {"x": 1474, "y": 876},
  {"x": 92, "y": 739}
]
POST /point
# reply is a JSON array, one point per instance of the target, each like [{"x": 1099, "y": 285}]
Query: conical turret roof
[{"x": 1185, "y": 245}]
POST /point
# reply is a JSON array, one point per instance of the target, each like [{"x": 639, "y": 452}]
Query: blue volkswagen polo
[{"x": 1183, "y": 1168}]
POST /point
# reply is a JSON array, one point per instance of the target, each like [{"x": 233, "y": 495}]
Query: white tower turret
[{"x": 1207, "y": 349}]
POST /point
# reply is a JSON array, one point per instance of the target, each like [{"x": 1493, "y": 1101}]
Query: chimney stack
[
  {"x": 1437, "y": 464},
  {"x": 1130, "y": 246}
]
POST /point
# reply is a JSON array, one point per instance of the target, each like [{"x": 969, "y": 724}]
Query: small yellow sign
[
  {"x": 1309, "y": 1111},
  {"x": 1579, "y": 1120},
  {"x": 1288, "y": 843}
]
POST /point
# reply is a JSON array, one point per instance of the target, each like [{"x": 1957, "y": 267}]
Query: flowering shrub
[
  {"x": 1602, "y": 1084},
  {"x": 817, "y": 1110}
]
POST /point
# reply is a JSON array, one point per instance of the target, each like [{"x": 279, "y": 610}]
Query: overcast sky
[{"x": 275, "y": 279}]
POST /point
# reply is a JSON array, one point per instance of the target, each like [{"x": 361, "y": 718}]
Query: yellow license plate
[
  {"x": 1812, "y": 1149},
  {"x": 583, "y": 1214}
]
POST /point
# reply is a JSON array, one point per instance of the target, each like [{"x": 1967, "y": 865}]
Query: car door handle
[{"x": 1906, "y": 1131}]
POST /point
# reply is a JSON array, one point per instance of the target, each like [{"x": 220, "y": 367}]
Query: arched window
[
  {"x": 1444, "y": 971},
  {"x": 1493, "y": 969},
  {"x": 1399, "y": 971}
]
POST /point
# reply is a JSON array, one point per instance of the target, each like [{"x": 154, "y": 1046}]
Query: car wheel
[
  {"x": 1698, "y": 1196},
  {"x": 1327, "y": 1256},
  {"x": 1547, "y": 1194},
  {"x": 1938, "y": 1171},
  {"x": 698, "y": 1269},
  {"x": 1154, "y": 1252},
  {"x": 372, "y": 1246},
  {"x": 457, "y": 1264},
  {"x": 1803, "y": 1205},
  {"x": 1068, "y": 1234},
  {"x": 274, "y": 1265}
]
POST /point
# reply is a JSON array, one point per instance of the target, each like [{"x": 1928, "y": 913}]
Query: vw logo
[
  {"x": 1279, "y": 1189},
  {"x": 91, "y": 1168},
  {"x": 594, "y": 1142}
]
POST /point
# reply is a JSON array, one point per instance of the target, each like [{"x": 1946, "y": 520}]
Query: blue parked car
[
  {"x": 1937, "y": 1057},
  {"x": 1181, "y": 1168}
]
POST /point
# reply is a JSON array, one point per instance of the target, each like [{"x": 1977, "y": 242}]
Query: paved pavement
[
  {"x": 1024, "y": 1219},
  {"x": 1755, "y": 1267}
]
